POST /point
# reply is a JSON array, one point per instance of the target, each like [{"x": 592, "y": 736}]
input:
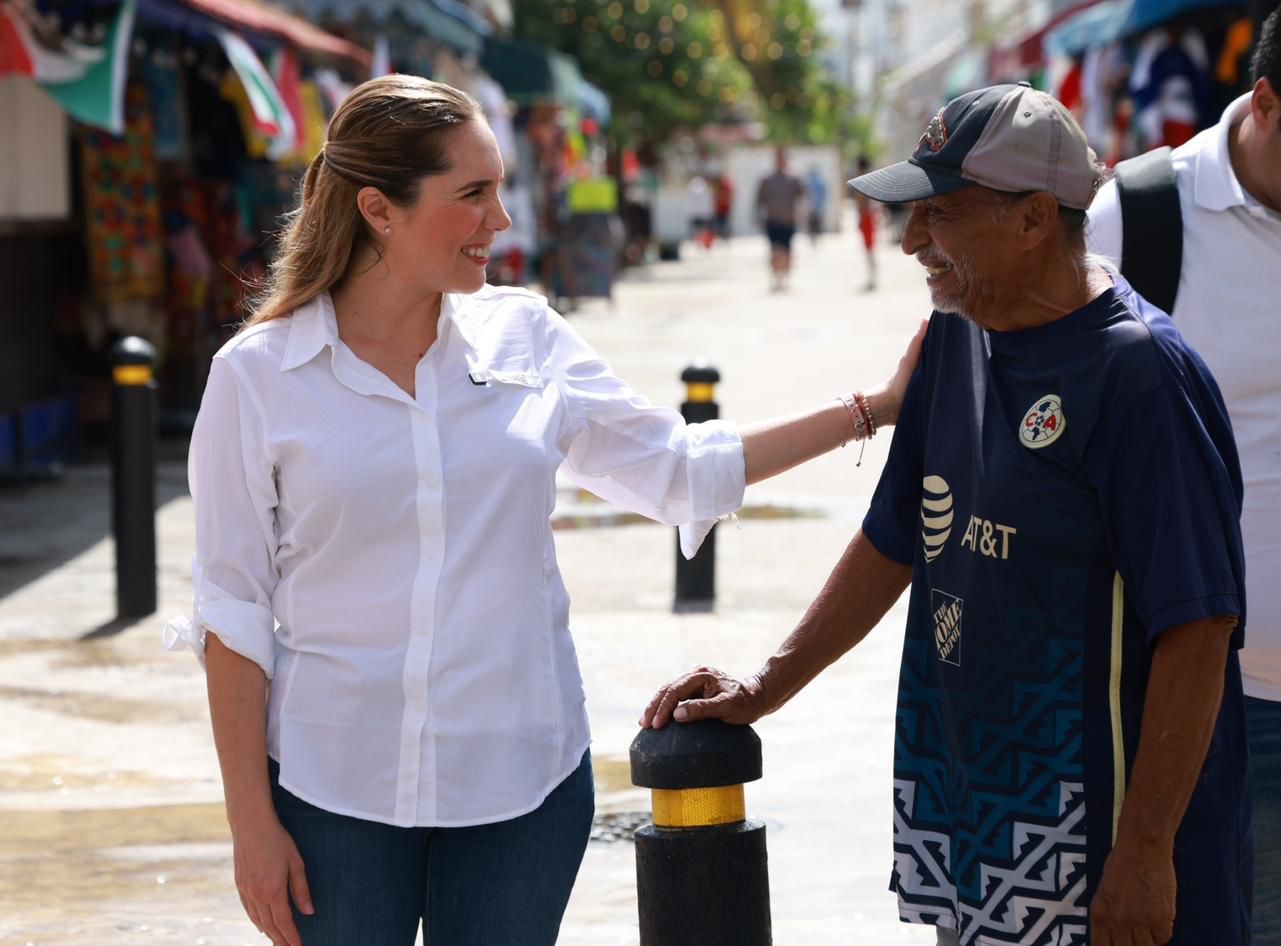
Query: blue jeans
[
  {"x": 1263, "y": 729},
  {"x": 503, "y": 884}
]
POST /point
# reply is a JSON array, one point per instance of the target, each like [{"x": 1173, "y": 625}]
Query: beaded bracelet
[
  {"x": 862, "y": 427},
  {"x": 865, "y": 408}
]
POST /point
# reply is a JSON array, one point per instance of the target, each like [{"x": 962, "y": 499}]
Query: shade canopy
[
  {"x": 1094, "y": 26},
  {"x": 531, "y": 74},
  {"x": 1146, "y": 14},
  {"x": 449, "y": 27}
]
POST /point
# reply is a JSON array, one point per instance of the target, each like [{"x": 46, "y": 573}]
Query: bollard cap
[
  {"x": 704, "y": 754},
  {"x": 700, "y": 373},
  {"x": 133, "y": 350}
]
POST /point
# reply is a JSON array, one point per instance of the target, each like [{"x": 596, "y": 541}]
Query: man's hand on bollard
[{"x": 707, "y": 693}]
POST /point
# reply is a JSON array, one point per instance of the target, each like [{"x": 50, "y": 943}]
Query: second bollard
[
  {"x": 133, "y": 475},
  {"x": 696, "y": 577},
  {"x": 701, "y": 869}
]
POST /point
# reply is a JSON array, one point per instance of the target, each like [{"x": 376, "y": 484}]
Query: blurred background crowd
[{"x": 148, "y": 148}]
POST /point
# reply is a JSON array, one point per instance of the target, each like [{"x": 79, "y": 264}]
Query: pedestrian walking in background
[
  {"x": 816, "y": 197},
  {"x": 1227, "y": 192},
  {"x": 867, "y": 226},
  {"x": 778, "y": 200},
  {"x": 701, "y": 211},
  {"x": 723, "y": 203},
  {"x": 1063, "y": 495},
  {"x": 394, "y": 693}
]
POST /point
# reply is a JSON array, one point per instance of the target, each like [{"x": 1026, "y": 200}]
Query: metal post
[
  {"x": 702, "y": 874},
  {"x": 696, "y": 577},
  {"x": 133, "y": 475}
]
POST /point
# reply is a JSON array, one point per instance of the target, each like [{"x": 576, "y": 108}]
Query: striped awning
[{"x": 261, "y": 18}]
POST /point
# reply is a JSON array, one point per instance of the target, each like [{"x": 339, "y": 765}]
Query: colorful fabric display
[{"x": 122, "y": 206}]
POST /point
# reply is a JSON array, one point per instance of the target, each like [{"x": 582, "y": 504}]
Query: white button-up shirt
[
  {"x": 1227, "y": 309},
  {"x": 388, "y": 560}
]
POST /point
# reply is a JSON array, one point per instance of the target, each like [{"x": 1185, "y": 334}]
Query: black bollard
[
  {"x": 701, "y": 870},
  {"x": 696, "y": 577},
  {"x": 133, "y": 475}
]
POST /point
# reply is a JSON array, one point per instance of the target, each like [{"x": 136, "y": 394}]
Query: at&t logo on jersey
[
  {"x": 1043, "y": 424},
  {"x": 936, "y": 515}
]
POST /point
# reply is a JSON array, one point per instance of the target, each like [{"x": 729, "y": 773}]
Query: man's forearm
[
  {"x": 1185, "y": 689},
  {"x": 861, "y": 589}
]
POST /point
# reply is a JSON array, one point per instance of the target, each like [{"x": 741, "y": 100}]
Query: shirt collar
[
  {"x": 314, "y": 327},
  {"x": 1215, "y": 184}
]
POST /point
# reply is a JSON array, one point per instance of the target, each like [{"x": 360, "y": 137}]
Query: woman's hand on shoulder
[
  {"x": 706, "y": 693},
  {"x": 269, "y": 871},
  {"x": 888, "y": 398}
]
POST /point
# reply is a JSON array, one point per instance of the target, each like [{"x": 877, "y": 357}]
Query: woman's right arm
[
  {"x": 772, "y": 446},
  {"x": 268, "y": 867},
  {"x": 233, "y": 486}
]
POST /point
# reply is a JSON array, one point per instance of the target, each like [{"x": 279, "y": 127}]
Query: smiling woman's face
[{"x": 444, "y": 239}]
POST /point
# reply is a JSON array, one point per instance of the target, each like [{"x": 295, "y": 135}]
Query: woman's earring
[{"x": 386, "y": 229}]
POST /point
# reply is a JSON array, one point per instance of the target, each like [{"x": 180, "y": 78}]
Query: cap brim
[{"x": 905, "y": 182}]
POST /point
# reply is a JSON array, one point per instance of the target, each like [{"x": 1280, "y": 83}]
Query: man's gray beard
[{"x": 950, "y": 307}]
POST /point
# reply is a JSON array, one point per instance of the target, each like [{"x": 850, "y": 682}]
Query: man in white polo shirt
[{"x": 1229, "y": 188}]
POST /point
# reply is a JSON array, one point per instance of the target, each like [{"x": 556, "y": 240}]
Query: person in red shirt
[
  {"x": 722, "y": 203},
  {"x": 867, "y": 226}
]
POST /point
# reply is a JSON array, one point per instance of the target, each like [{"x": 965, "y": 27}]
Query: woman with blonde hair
[{"x": 395, "y": 700}]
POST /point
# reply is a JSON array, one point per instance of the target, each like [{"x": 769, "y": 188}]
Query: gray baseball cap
[{"x": 1006, "y": 137}]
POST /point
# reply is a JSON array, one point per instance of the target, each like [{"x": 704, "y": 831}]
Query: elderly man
[{"x": 1063, "y": 495}]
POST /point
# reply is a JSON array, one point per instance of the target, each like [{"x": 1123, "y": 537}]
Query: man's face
[
  {"x": 1268, "y": 143},
  {"x": 965, "y": 242}
]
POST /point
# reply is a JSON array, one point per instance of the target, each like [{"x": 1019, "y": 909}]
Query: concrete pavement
[{"x": 111, "y": 826}]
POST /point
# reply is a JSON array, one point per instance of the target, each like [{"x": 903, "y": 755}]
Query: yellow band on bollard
[
  {"x": 700, "y": 393},
  {"x": 698, "y": 807},
  {"x": 131, "y": 374}
]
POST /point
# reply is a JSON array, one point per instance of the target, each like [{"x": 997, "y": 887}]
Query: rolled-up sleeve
[
  {"x": 233, "y": 487},
  {"x": 644, "y": 458}
]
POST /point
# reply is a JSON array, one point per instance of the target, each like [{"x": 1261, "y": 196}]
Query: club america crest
[
  {"x": 935, "y": 136},
  {"x": 1043, "y": 423}
]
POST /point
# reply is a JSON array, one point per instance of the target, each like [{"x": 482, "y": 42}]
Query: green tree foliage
[{"x": 669, "y": 64}]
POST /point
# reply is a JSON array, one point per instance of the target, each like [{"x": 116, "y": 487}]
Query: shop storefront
[
  {"x": 156, "y": 144},
  {"x": 143, "y": 206},
  {"x": 1139, "y": 74}
]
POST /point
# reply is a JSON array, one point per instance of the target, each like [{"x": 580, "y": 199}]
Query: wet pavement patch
[
  {"x": 98, "y": 706},
  {"x": 64, "y": 775},
  {"x": 55, "y": 864},
  {"x": 610, "y": 827},
  {"x": 582, "y": 510},
  {"x": 617, "y": 817}
]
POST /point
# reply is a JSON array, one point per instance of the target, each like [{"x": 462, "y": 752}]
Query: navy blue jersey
[{"x": 1064, "y": 494}]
